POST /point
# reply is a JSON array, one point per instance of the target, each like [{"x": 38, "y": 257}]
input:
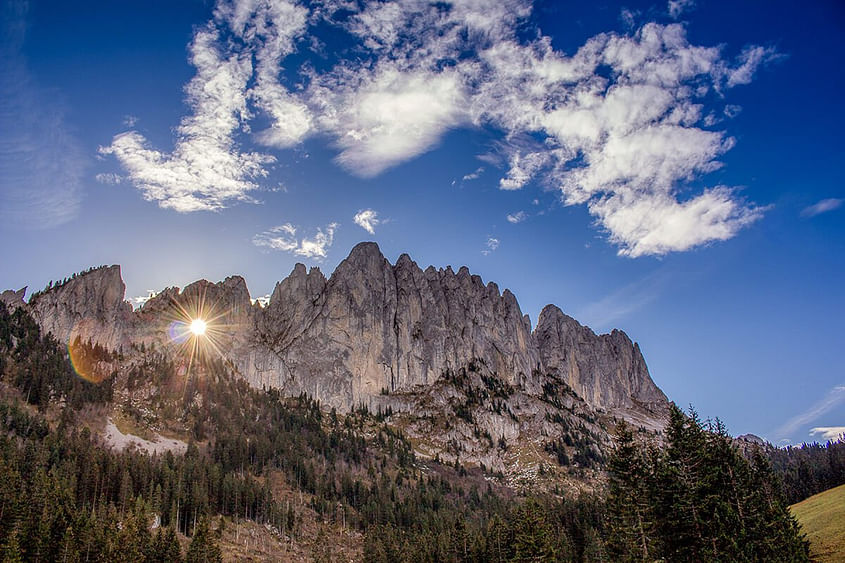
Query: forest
[{"x": 65, "y": 496}]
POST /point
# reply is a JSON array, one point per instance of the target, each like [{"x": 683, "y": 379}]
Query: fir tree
[{"x": 203, "y": 547}]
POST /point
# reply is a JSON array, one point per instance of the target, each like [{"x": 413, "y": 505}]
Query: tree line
[{"x": 64, "y": 496}]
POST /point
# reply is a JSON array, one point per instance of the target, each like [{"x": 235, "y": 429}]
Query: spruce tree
[
  {"x": 203, "y": 548},
  {"x": 631, "y": 526}
]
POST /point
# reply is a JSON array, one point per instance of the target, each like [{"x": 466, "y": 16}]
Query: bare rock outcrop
[
  {"x": 606, "y": 370},
  {"x": 13, "y": 299},
  {"x": 373, "y": 328},
  {"x": 88, "y": 306}
]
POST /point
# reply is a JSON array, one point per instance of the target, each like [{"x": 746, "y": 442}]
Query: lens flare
[{"x": 89, "y": 361}]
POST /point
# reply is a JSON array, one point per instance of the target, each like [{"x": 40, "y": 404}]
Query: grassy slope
[{"x": 822, "y": 518}]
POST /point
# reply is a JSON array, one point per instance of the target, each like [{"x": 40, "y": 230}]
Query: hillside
[
  {"x": 451, "y": 361},
  {"x": 822, "y": 519},
  {"x": 151, "y": 452}
]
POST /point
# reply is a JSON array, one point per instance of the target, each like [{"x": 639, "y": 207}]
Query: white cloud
[
  {"x": 677, "y": 7},
  {"x": 492, "y": 244},
  {"x": 205, "y": 171},
  {"x": 517, "y": 217},
  {"x": 283, "y": 237},
  {"x": 474, "y": 175},
  {"x": 108, "y": 178},
  {"x": 656, "y": 224},
  {"x": 822, "y": 206},
  {"x": 389, "y": 117},
  {"x": 833, "y": 398},
  {"x": 603, "y": 313},
  {"x": 832, "y": 433},
  {"x": 623, "y": 125},
  {"x": 130, "y": 120},
  {"x": 368, "y": 220},
  {"x": 141, "y": 299},
  {"x": 750, "y": 59}
]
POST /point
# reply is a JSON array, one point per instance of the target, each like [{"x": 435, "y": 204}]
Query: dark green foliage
[
  {"x": 698, "y": 499},
  {"x": 809, "y": 469},
  {"x": 203, "y": 548},
  {"x": 64, "y": 497},
  {"x": 39, "y": 366},
  {"x": 166, "y": 546}
]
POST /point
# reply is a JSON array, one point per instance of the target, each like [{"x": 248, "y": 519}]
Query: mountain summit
[{"x": 417, "y": 343}]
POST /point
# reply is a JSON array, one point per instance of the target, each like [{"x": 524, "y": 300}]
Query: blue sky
[{"x": 671, "y": 169}]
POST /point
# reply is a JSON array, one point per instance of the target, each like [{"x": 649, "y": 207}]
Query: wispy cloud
[
  {"x": 602, "y": 314},
  {"x": 677, "y": 7},
  {"x": 474, "y": 175},
  {"x": 619, "y": 126},
  {"x": 368, "y": 220},
  {"x": 283, "y": 237},
  {"x": 41, "y": 162},
  {"x": 828, "y": 432},
  {"x": 108, "y": 178},
  {"x": 492, "y": 244},
  {"x": 833, "y": 398},
  {"x": 517, "y": 217},
  {"x": 822, "y": 206}
]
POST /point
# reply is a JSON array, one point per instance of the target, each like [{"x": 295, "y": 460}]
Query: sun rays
[{"x": 198, "y": 328}]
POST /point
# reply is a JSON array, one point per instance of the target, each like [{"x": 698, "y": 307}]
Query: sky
[{"x": 670, "y": 169}]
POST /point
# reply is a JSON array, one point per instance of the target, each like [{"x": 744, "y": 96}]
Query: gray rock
[
  {"x": 372, "y": 329},
  {"x": 607, "y": 370}
]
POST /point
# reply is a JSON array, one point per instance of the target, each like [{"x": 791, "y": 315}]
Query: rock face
[
  {"x": 370, "y": 330},
  {"x": 89, "y": 306},
  {"x": 606, "y": 370},
  {"x": 13, "y": 299}
]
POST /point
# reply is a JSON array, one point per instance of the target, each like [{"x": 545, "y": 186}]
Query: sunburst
[{"x": 197, "y": 328}]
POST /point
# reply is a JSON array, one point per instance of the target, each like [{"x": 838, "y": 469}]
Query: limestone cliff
[
  {"x": 372, "y": 329},
  {"x": 606, "y": 370},
  {"x": 89, "y": 306}
]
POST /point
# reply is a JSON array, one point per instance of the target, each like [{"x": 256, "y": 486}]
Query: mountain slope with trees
[{"x": 320, "y": 481}]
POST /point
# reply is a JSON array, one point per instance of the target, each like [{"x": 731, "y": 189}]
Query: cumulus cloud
[
  {"x": 383, "y": 119},
  {"x": 284, "y": 238},
  {"x": 367, "y": 219},
  {"x": 822, "y": 206},
  {"x": 832, "y": 433},
  {"x": 624, "y": 125},
  {"x": 141, "y": 299},
  {"x": 517, "y": 217}
]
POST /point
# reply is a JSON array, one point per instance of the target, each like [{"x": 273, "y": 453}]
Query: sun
[{"x": 198, "y": 327}]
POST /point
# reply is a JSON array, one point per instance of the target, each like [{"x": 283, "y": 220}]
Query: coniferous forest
[{"x": 284, "y": 462}]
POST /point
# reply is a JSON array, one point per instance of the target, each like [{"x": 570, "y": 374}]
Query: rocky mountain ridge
[{"x": 392, "y": 337}]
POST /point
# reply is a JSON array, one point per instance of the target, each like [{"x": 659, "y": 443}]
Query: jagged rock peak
[
  {"x": 13, "y": 299},
  {"x": 606, "y": 370},
  {"x": 89, "y": 305}
]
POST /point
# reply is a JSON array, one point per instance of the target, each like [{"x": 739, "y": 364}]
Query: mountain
[
  {"x": 453, "y": 361},
  {"x": 383, "y": 414}
]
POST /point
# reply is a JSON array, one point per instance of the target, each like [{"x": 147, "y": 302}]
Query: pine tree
[
  {"x": 632, "y": 535},
  {"x": 203, "y": 547},
  {"x": 166, "y": 547},
  {"x": 533, "y": 541}
]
